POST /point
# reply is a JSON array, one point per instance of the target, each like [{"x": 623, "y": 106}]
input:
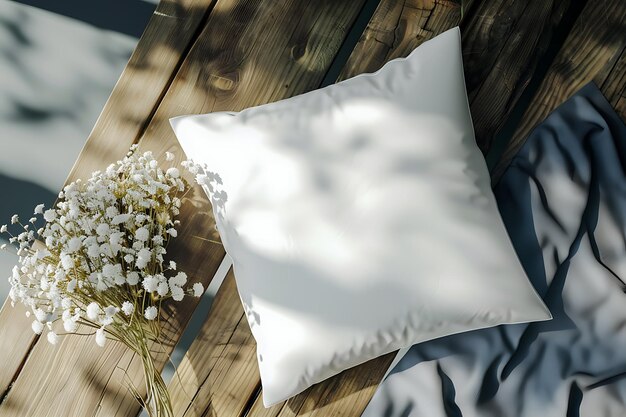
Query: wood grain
[
  {"x": 220, "y": 367},
  {"x": 346, "y": 394},
  {"x": 396, "y": 28},
  {"x": 249, "y": 53},
  {"x": 590, "y": 53},
  {"x": 16, "y": 339},
  {"x": 503, "y": 44},
  {"x": 614, "y": 87},
  {"x": 130, "y": 107}
]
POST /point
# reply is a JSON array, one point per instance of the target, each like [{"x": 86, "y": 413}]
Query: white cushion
[{"x": 360, "y": 219}]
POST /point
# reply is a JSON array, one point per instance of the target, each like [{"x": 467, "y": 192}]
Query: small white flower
[
  {"x": 110, "y": 311},
  {"x": 71, "y": 286},
  {"x": 67, "y": 314},
  {"x": 178, "y": 280},
  {"x": 172, "y": 232},
  {"x": 142, "y": 234},
  {"x": 115, "y": 238},
  {"x": 102, "y": 229},
  {"x": 93, "y": 251},
  {"x": 150, "y": 283},
  {"x": 53, "y": 338},
  {"x": 37, "y": 327},
  {"x": 173, "y": 265},
  {"x": 3, "y": 228},
  {"x": 129, "y": 258},
  {"x": 163, "y": 289},
  {"x": 198, "y": 289},
  {"x": 128, "y": 308},
  {"x": 111, "y": 212},
  {"x": 50, "y": 215},
  {"x": 3, "y": 246},
  {"x": 111, "y": 271},
  {"x": 14, "y": 219},
  {"x": 150, "y": 313},
  {"x": 169, "y": 156},
  {"x": 32, "y": 220},
  {"x": 132, "y": 278},
  {"x": 66, "y": 261},
  {"x": 39, "y": 209},
  {"x": 100, "y": 337},
  {"x": 70, "y": 325},
  {"x": 173, "y": 172},
  {"x": 93, "y": 311},
  {"x": 143, "y": 257},
  {"x": 40, "y": 314},
  {"x": 74, "y": 244},
  {"x": 121, "y": 218},
  {"x": 177, "y": 293},
  {"x": 106, "y": 320}
]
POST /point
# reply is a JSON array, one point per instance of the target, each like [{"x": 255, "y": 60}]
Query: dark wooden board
[
  {"x": 504, "y": 42},
  {"x": 593, "y": 51}
]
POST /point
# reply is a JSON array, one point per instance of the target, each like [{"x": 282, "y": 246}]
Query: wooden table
[{"x": 522, "y": 59}]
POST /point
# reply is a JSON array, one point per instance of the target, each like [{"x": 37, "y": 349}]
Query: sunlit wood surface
[{"x": 198, "y": 56}]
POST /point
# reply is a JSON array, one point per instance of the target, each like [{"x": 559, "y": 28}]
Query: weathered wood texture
[
  {"x": 16, "y": 340},
  {"x": 219, "y": 373},
  {"x": 503, "y": 44},
  {"x": 224, "y": 379},
  {"x": 128, "y": 110},
  {"x": 614, "y": 87},
  {"x": 248, "y": 53},
  {"x": 593, "y": 51},
  {"x": 396, "y": 28}
]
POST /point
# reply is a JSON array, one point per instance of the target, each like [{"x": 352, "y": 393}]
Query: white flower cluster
[{"x": 102, "y": 258}]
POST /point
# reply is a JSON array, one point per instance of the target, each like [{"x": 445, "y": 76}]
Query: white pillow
[{"x": 360, "y": 219}]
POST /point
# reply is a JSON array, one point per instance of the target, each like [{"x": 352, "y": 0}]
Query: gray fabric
[{"x": 563, "y": 200}]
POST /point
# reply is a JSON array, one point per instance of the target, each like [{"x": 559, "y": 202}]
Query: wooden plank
[
  {"x": 16, "y": 340},
  {"x": 614, "y": 87},
  {"x": 172, "y": 28},
  {"x": 396, "y": 28},
  {"x": 220, "y": 369},
  {"x": 129, "y": 108},
  {"x": 591, "y": 51},
  {"x": 247, "y": 54},
  {"x": 346, "y": 394},
  {"x": 503, "y": 44}
]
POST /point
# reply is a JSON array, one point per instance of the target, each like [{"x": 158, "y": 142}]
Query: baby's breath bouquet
[{"x": 98, "y": 261}]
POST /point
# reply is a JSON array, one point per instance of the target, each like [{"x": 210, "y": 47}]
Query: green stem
[{"x": 157, "y": 399}]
